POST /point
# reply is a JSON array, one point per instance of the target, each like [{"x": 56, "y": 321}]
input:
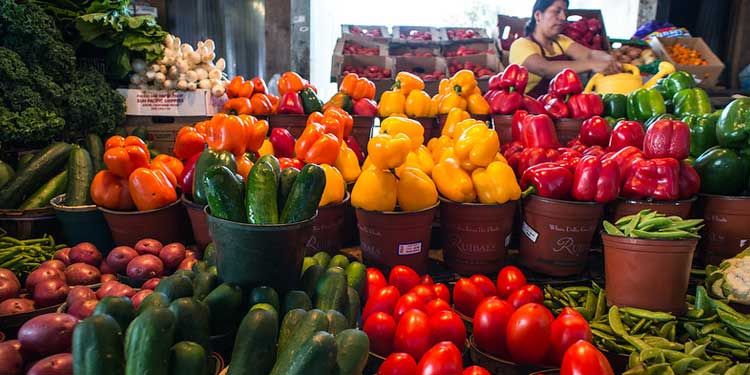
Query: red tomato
[
  {"x": 436, "y": 305},
  {"x": 375, "y": 282},
  {"x": 475, "y": 370},
  {"x": 442, "y": 292},
  {"x": 569, "y": 311},
  {"x": 398, "y": 364},
  {"x": 380, "y": 328},
  {"x": 442, "y": 359},
  {"x": 527, "y": 334},
  {"x": 405, "y": 303},
  {"x": 490, "y": 325},
  {"x": 486, "y": 284},
  {"x": 427, "y": 280},
  {"x": 528, "y": 293},
  {"x": 447, "y": 326},
  {"x": 404, "y": 278},
  {"x": 566, "y": 330},
  {"x": 582, "y": 358},
  {"x": 509, "y": 279},
  {"x": 424, "y": 292},
  {"x": 413, "y": 334},
  {"x": 466, "y": 296},
  {"x": 385, "y": 300}
]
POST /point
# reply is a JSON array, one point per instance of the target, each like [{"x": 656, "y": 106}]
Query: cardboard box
[
  {"x": 360, "y": 41},
  {"x": 399, "y": 49},
  {"x": 170, "y": 103},
  {"x": 162, "y": 130},
  {"x": 484, "y": 48},
  {"x": 385, "y": 62},
  {"x": 366, "y": 30},
  {"x": 576, "y": 14},
  {"x": 706, "y": 75},
  {"x": 398, "y": 30},
  {"x": 424, "y": 65},
  {"x": 480, "y": 35}
]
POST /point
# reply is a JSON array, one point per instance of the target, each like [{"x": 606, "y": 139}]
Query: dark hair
[{"x": 539, "y": 5}]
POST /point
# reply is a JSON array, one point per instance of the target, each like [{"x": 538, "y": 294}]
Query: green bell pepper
[
  {"x": 733, "y": 127},
  {"x": 613, "y": 121},
  {"x": 644, "y": 104},
  {"x": 663, "y": 91},
  {"x": 702, "y": 133},
  {"x": 615, "y": 105},
  {"x": 677, "y": 82},
  {"x": 723, "y": 171},
  {"x": 691, "y": 102},
  {"x": 653, "y": 119},
  {"x": 206, "y": 160},
  {"x": 310, "y": 101}
]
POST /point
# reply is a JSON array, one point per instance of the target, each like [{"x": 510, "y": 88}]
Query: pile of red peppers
[
  {"x": 506, "y": 92},
  {"x": 566, "y": 99}
]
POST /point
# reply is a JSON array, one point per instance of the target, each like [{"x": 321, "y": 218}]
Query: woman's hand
[{"x": 605, "y": 65}]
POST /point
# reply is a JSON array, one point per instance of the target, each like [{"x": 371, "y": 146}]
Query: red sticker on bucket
[
  {"x": 410, "y": 248},
  {"x": 529, "y": 232}
]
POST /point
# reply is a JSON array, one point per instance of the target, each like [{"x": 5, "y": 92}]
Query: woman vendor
[{"x": 545, "y": 51}]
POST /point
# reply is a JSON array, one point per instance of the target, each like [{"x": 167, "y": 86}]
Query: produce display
[
  {"x": 468, "y": 51},
  {"x": 427, "y": 76},
  {"x": 249, "y": 97},
  {"x": 684, "y": 55},
  {"x": 356, "y": 49},
  {"x": 372, "y": 72},
  {"x": 588, "y": 32},
  {"x": 462, "y": 34},
  {"x": 355, "y": 96},
  {"x": 632, "y": 54},
  {"x": 373, "y": 32},
  {"x": 479, "y": 70},
  {"x": 413, "y": 34},
  {"x": 726, "y": 282},
  {"x": 653, "y": 225},
  {"x": 21, "y": 257}
]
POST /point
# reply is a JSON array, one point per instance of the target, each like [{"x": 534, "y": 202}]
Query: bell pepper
[
  {"x": 357, "y": 87},
  {"x": 549, "y": 180},
  {"x": 238, "y": 106},
  {"x": 512, "y": 153},
  {"x": 565, "y": 83},
  {"x": 667, "y": 139},
  {"x": 391, "y": 102},
  {"x": 344, "y": 118},
  {"x": 569, "y": 159},
  {"x": 418, "y": 104},
  {"x": 676, "y": 82},
  {"x": 335, "y": 187},
  {"x": 452, "y": 181},
  {"x": 317, "y": 146},
  {"x": 626, "y": 133},
  {"x": 464, "y": 82},
  {"x": 585, "y": 105},
  {"x": 450, "y": 101},
  {"x": 347, "y": 163},
  {"x": 188, "y": 142},
  {"x": 437, "y": 146},
  {"x": 615, "y": 105},
  {"x": 150, "y": 189},
  {"x": 122, "y": 161},
  {"x": 702, "y": 133},
  {"x": 407, "y": 82},
  {"x": 693, "y": 101},
  {"x": 111, "y": 191},
  {"x": 514, "y": 78},
  {"x": 255, "y": 132},
  {"x": 533, "y": 106},
  {"x": 291, "y": 103},
  {"x": 455, "y": 116},
  {"x": 722, "y": 171},
  {"x": 244, "y": 165},
  {"x": 596, "y": 180},
  {"x": 477, "y": 105},
  {"x": 259, "y": 85},
  {"x": 354, "y": 146},
  {"x": 733, "y": 127},
  {"x": 200, "y": 127},
  {"x": 226, "y": 133},
  {"x": 530, "y": 157},
  {"x": 401, "y": 125},
  {"x": 365, "y": 107},
  {"x": 261, "y": 104},
  {"x": 595, "y": 131},
  {"x": 341, "y": 100},
  {"x": 420, "y": 158},
  {"x": 516, "y": 130},
  {"x": 188, "y": 172},
  {"x": 654, "y": 178},
  {"x": 594, "y": 150},
  {"x": 238, "y": 87},
  {"x": 285, "y": 163},
  {"x": 539, "y": 131},
  {"x": 265, "y": 149},
  {"x": 478, "y": 145},
  {"x": 119, "y": 141},
  {"x": 388, "y": 151},
  {"x": 690, "y": 181},
  {"x": 416, "y": 190},
  {"x": 625, "y": 158},
  {"x": 375, "y": 190},
  {"x": 310, "y": 101},
  {"x": 505, "y": 102},
  {"x": 654, "y": 119},
  {"x": 206, "y": 159},
  {"x": 290, "y": 82},
  {"x": 557, "y": 108},
  {"x": 283, "y": 142},
  {"x": 170, "y": 164},
  {"x": 645, "y": 103},
  {"x": 496, "y": 184}
]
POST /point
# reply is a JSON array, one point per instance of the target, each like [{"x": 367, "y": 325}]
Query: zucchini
[
  {"x": 314, "y": 321},
  {"x": 288, "y": 327},
  {"x": 225, "y": 304},
  {"x": 119, "y": 308},
  {"x": 310, "y": 279},
  {"x": 175, "y": 286},
  {"x": 255, "y": 345},
  {"x": 302, "y": 203},
  {"x": 96, "y": 150},
  {"x": 187, "y": 358},
  {"x": 203, "y": 284},
  {"x": 330, "y": 291},
  {"x": 261, "y": 194},
  {"x": 353, "y": 307},
  {"x": 153, "y": 300},
  {"x": 265, "y": 294},
  {"x": 24, "y": 160},
  {"x": 44, "y": 194},
  {"x": 40, "y": 169},
  {"x": 288, "y": 176},
  {"x": 352, "y": 350},
  {"x": 6, "y": 173},
  {"x": 147, "y": 342},
  {"x": 80, "y": 174},
  {"x": 296, "y": 299},
  {"x": 316, "y": 355},
  {"x": 98, "y": 347},
  {"x": 225, "y": 193}
]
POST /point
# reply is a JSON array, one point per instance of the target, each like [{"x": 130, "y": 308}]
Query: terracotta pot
[
  {"x": 294, "y": 123},
  {"x": 389, "y": 239},
  {"x": 648, "y": 274},
  {"x": 361, "y": 131},
  {"x": 475, "y": 235},
  {"x": 83, "y": 224},
  {"x": 328, "y": 228},
  {"x": 727, "y": 229},
  {"x": 556, "y": 235},
  {"x": 198, "y": 221},
  {"x": 567, "y": 129},
  {"x": 497, "y": 365},
  {"x": 33, "y": 223},
  {"x": 624, "y": 207},
  {"x": 503, "y": 125},
  {"x": 167, "y": 224}
]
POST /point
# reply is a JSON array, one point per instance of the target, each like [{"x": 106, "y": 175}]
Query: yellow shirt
[{"x": 522, "y": 48}]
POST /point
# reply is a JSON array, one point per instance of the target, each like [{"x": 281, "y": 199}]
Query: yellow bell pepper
[
  {"x": 453, "y": 182},
  {"x": 496, "y": 184},
  {"x": 391, "y": 102},
  {"x": 388, "y": 151},
  {"x": 420, "y": 159},
  {"x": 266, "y": 148},
  {"x": 477, "y": 105},
  {"x": 477, "y": 91},
  {"x": 455, "y": 115},
  {"x": 416, "y": 190},
  {"x": 501, "y": 158},
  {"x": 347, "y": 163},
  {"x": 368, "y": 164},
  {"x": 478, "y": 145},
  {"x": 437, "y": 146},
  {"x": 452, "y": 100},
  {"x": 418, "y": 104},
  {"x": 375, "y": 190},
  {"x": 335, "y": 188},
  {"x": 433, "y": 108},
  {"x": 407, "y": 82},
  {"x": 463, "y": 125},
  {"x": 444, "y": 87},
  {"x": 401, "y": 125},
  {"x": 464, "y": 82}
]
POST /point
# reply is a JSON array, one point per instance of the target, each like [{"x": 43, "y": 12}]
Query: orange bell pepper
[
  {"x": 111, "y": 191},
  {"x": 119, "y": 141},
  {"x": 161, "y": 166},
  {"x": 226, "y": 133},
  {"x": 123, "y": 160},
  {"x": 314, "y": 118},
  {"x": 406, "y": 82},
  {"x": 274, "y": 102},
  {"x": 259, "y": 85},
  {"x": 317, "y": 146},
  {"x": 173, "y": 164},
  {"x": 238, "y": 106},
  {"x": 188, "y": 142},
  {"x": 255, "y": 132},
  {"x": 151, "y": 189},
  {"x": 346, "y": 120},
  {"x": 357, "y": 87},
  {"x": 333, "y": 126},
  {"x": 200, "y": 127},
  {"x": 244, "y": 165},
  {"x": 455, "y": 116},
  {"x": 290, "y": 81},
  {"x": 261, "y": 105},
  {"x": 239, "y": 88}
]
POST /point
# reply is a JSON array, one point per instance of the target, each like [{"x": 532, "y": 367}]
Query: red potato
[
  {"x": 108, "y": 277},
  {"x": 79, "y": 293},
  {"x": 50, "y": 292},
  {"x": 144, "y": 267},
  {"x": 138, "y": 297},
  {"x": 47, "y": 334},
  {"x": 54, "y": 263},
  {"x": 106, "y": 268},
  {"x": 148, "y": 246},
  {"x": 119, "y": 258},
  {"x": 58, "y": 364},
  {"x": 151, "y": 283},
  {"x": 11, "y": 360},
  {"x": 42, "y": 274},
  {"x": 63, "y": 255},
  {"x": 82, "y": 274},
  {"x": 187, "y": 264},
  {"x": 82, "y": 309},
  {"x": 9, "y": 284},
  {"x": 14, "y": 306},
  {"x": 192, "y": 253},
  {"x": 85, "y": 252},
  {"x": 106, "y": 286},
  {"x": 115, "y": 288},
  {"x": 172, "y": 255}
]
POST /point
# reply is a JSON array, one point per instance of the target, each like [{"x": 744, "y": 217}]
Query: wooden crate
[
  {"x": 411, "y": 50},
  {"x": 361, "y": 41},
  {"x": 484, "y": 48},
  {"x": 491, "y": 61},
  {"x": 480, "y": 35},
  {"x": 705, "y": 75},
  {"x": 398, "y": 30},
  {"x": 362, "y": 30}
]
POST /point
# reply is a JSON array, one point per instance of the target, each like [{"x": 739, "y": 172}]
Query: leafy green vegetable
[{"x": 32, "y": 126}]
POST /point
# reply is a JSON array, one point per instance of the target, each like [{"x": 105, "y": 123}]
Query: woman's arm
[
  {"x": 602, "y": 61},
  {"x": 540, "y": 66}
]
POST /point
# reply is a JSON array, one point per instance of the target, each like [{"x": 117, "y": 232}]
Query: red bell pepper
[
  {"x": 354, "y": 146},
  {"x": 544, "y": 99},
  {"x": 576, "y": 144},
  {"x": 569, "y": 159},
  {"x": 533, "y": 106},
  {"x": 595, "y": 150},
  {"x": 530, "y": 157},
  {"x": 565, "y": 83},
  {"x": 514, "y": 78},
  {"x": 625, "y": 159},
  {"x": 596, "y": 180},
  {"x": 655, "y": 178},
  {"x": 585, "y": 105},
  {"x": 187, "y": 175},
  {"x": 549, "y": 180},
  {"x": 291, "y": 104},
  {"x": 505, "y": 102},
  {"x": 365, "y": 107},
  {"x": 557, "y": 108},
  {"x": 595, "y": 131},
  {"x": 667, "y": 139},
  {"x": 626, "y": 133},
  {"x": 285, "y": 163},
  {"x": 512, "y": 153},
  {"x": 494, "y": 83},
  {"x": 283, "y": 143},
  {"x": 690, "y": 181},
  {"x": 539, "y": 131},
  {"x": 517, "y": 125}
]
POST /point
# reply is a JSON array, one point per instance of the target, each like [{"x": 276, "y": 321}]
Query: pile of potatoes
[{"x": 635, "y": 55}]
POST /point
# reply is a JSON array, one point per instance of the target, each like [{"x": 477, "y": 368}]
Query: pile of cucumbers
[{"x": 648, "y": 224}]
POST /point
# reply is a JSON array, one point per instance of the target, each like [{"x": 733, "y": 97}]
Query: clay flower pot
[
  {"x": 167, "y": 224},
  {"x": 624, "y": 207},
  {"x": 727, "y": 230},
  {"x": 198, "y": 221},
  {"x": 503, "y": 125},
  {"x": 328, "y": 228}
]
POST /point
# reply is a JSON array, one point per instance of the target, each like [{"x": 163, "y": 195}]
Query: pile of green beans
[
  {"x": 23, "y": 256},
  {"x": 649, "y": 224}
]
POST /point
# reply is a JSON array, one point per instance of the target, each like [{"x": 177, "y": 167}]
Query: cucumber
[
  {"x": 337, "y": 322},
  {"x": 356, "y": 276},
  {"x": 187, "y": 273},
  {"x": 187, "y": 358},
  {"x": 288, "y": 327},
  {"x": 322, "y": 258},
  {"x": 203, "y": 284},
  {"x": 339, "y": 260},
  {"x": 352, "y": 350},
  {"x": 24, "y": 160},
  {"x": 39, "y": 170},
  {"x": 192, "y": 321},
  {"x": 80, "y": 174},
  {"x": 330, "y": 291},
  {"x": 261, "y": 194},
  {"x": 153, "y": 300},
  {"x": 96, "y": 149},
  {"x": 296, "y": 299},
  {"x": 147, "y": 342},
  {"x": 302, "y": 203},
  {"x": 306, "y": 263},
  {"x": 316, "y": 355},
  {"x": 98, "y": 347},
  {"x": 6, "y": 173},
  {"x": 310, "y": 279},
  {"x": 288, "y": 176},
  {"x": 119, "y": 308},
  {"x": 200, "y": 266},
  {"x": 272, "y": 162},
  {"x": 314, "y": 321},
  {"x": 175, "y": 286},
  {"x": 225, "y": 304},
  {"x": 353, "y": 307},
  {"x": 255, "y": 345},
  {"x": 207, "y": 159},
  {"x": 209, "y": 254},
  {"x": 225, "y": 193},
  {"x": 264, "y": 294},
  {"x": 44, "y": 194}
]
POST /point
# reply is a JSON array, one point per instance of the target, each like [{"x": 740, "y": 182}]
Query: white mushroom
[
  {"x": 205, "y": 84},
  {"x": 182, "y": 85},
  {"x": 160, "y": 78},
  {"x": 218, "y": 90},
  {"x": 214, "y": 74},
  {"x": 221, "y": 64},
  {"x": 192, "y": 86},
  {"x": 202, "y": 73},
  {"x": 191, "y": 75}
]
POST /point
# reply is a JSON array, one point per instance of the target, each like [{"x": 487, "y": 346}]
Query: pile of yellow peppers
[
  {"x": 461, "y": 91},
  {"x": 468, "y": 167},
  {"x": 407, "y": 98},
  {"x": 397, "y": 169}
]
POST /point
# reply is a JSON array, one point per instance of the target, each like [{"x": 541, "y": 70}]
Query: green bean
[
  {"x": 603, "y": 335},
  {"x": 655, "y": 223},
  {"x": 589, "y": 305},
  {"x": 632, "y": 225},
  {"x": 611, "y": 229},
  {"x": 706, "y": 369},
  {"x": 647, "y": 314},
  {"x": 710, "y": 328},
  {"x": 615, "y": 321},
  {"x": 695, "y": 313},
  {"x": 729, "y": 342},
  {"x": 662, "y": 343},
  {"x": 601, "y": 305},
  {"x": 671, "y": 235},
  {"x": 625, "y": 220},
  {"x": 638, "y": 327}
]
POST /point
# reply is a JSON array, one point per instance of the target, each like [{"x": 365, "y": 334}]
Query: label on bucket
[
  {"x": 529, "y": 232},
  {"x": 410, "y": 248}
]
